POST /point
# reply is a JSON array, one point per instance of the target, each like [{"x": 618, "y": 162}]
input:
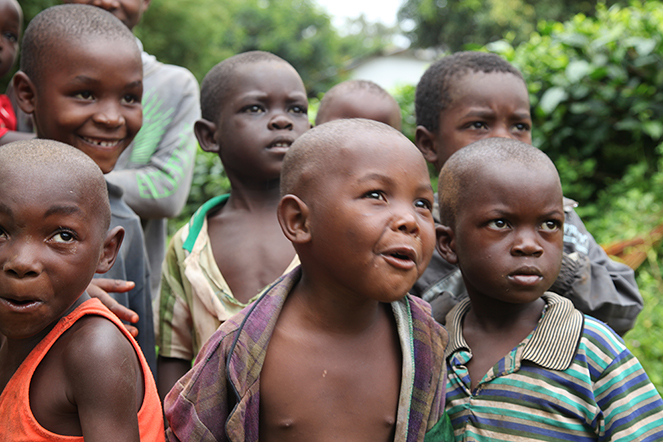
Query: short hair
[
  {"x": 433, "y": 94},
  {"x": 315, "y": 149},
  {"x": 57, "y": 26},
  {"x": 461, "y": 169},
  {"x": 218, "y": 82},
  {"x": 36, "y": 156},
  {"x": 349, "y": 87}
]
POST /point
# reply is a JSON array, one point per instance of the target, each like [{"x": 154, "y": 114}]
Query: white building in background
[{"x": 392, "y": 69}]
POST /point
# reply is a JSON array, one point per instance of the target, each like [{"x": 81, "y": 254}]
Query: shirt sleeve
[
  {"x": 597, "y": 285},
  {"x": 631, "y": 408},
  {"x": 174, "y": 324}
]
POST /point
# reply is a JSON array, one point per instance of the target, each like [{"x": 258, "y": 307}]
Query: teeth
[
  {"x": 101, "y": 143},
  {"x": 281, "y": 145}
]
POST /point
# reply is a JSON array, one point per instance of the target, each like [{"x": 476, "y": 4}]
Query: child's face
[
  {"x": 508, "y": 232},
  {"x": 10, "y": 26},
  {"x": 51, "y": 240},
  {"x": 91, "y": 99},
  {"x": 128, "y": 12},
  {"x": 370, "y": 217},
  {"x": 362, "y": 104},
  {"x": 263, "y": 115},
  {"x": 483, "y": 106}
]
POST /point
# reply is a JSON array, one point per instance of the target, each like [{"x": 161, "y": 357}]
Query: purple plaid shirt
[{"x": 219, "y": 399}]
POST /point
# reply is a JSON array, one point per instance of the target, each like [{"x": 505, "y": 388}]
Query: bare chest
[
  {"x": 333, "y": 391},
  {"x": 249, "y": 254}
]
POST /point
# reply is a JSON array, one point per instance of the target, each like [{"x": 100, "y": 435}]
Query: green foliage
[
  {"x": 200, "y": 33},
  {"x": 453, "y": 25}
]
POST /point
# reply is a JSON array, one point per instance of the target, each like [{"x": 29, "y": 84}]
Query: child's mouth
[
  {"x": 101, "y": 143},
  {"x": 401, "y": 258},
  {"x": 20, "y": 304}
]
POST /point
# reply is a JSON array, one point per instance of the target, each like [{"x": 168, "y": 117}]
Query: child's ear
[
  {"x": 425, "y": 141},
  {"x": 25, "y": 92},
  {"x": 446, "y": 244},
  {"x": 293, "y": 218},
  {"x": 205, "y": 133},
  {"x": 111, "y": 248}
]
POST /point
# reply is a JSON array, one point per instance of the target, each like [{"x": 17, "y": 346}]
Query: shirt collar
[{"x": 553, "y": 343}]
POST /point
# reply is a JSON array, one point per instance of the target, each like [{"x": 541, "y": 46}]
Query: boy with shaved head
[
  {"x": 81, "y": 79},
  {"x": 336, "y": 349},
  {"x": 359, "y": 99},
  {"x": 523, "y": 363},
  {"x": 69, "y": 370},
  {"x": 469, "y": 96}
]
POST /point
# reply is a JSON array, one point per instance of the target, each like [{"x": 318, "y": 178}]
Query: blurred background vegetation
[{"x": 594, "y": 72}]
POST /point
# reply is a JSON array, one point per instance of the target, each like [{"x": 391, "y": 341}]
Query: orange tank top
[{"x": 18, "y": 422}]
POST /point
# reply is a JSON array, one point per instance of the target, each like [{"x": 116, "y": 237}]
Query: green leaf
[{"x": 551, "y": 99}]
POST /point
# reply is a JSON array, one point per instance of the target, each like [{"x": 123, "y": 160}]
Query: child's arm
[
  {"x": 100, "y": 287},
  {"x": 104, "y": 380},
  {"x": 597, "y": 285}
]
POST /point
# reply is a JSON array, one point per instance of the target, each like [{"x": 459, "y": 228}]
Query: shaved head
[
  {"x": 45, "y": 161},
  {"x": 464, "y": 169},
  {"x": 316, "y": 152}
]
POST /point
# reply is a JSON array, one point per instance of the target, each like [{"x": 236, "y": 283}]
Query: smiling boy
[
  {"x": 335, "y": 350},
  {"x": 254, "y": 107},
  {"x": 469, "y": 96},
  {"x": 81, "y": 78},
  {"x": 523, "y": 363},
  {"x": 68, "y": 368}
]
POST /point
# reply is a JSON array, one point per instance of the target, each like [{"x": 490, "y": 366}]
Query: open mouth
[
  {"x": 402, "y": 257},
  {"x": 102, "y": 143},
  {"x": 19, "y": 304},
  {"x": 281, "y": 143}
]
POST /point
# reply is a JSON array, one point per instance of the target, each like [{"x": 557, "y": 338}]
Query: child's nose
[
  {"x": 526, "y": 244},
  {"x": 405, "y": 220},
  {"x": 22, "y": 261},
  {"x": 106, "y": 4},
  {"x": 109, "y": 115},
  {"x": 280, "y": 121}
]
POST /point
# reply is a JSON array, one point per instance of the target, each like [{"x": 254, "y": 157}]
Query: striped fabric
[{"x": 567, "y": 381}]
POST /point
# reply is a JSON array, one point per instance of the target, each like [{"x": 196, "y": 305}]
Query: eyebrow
[
  {"x": 84, "y": 79},
  {"x": 62, "y": 210},
  {"x": 389, "y": 180}
]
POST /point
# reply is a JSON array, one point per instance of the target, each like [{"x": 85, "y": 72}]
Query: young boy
[
  {"x": 68, "y": 368},
  {"x": 523, "y": 363},
  {"x": 474, "y": 95},
  {"x": 81, "y": 79},
  {"x": 254, "y": 106},
  {"x": 335, "y": 350},
  {"x": 359, "y": 99},
  {"x": 11, "y": 21},
  {"x": 155, "y": 171}
]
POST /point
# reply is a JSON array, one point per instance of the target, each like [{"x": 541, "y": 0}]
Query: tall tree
[{"x": 453, "y": 24}]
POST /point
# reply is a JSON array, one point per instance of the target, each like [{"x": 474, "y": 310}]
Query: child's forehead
[
  {"x": 251, "y": 74},
  {"x": 468, "y": 81}
]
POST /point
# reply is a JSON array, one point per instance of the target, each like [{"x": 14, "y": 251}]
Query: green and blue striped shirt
[{"x": 571, "y": 379}]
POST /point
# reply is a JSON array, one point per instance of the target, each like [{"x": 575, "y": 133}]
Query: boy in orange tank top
[{"x": 69, "y": 370}]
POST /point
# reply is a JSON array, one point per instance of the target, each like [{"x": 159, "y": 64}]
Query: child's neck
[
  {"x": 326, "y": 307},
  {"x": 494, "y": 316},
  {"x": 254, "y": 196}
]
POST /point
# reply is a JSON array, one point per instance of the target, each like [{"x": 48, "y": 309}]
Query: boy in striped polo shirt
[{"x": 523, "y": 364}]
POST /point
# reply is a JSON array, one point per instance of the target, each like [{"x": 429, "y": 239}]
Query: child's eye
[
  {"x": 423, "y": 204},
  {"x": 3, "y": 234},
  {"x": 130, "y": 99},
  {"x": 64, "y": 236},
  {"x": 522, "y": 127},
  {"x": 550, "y": 226},
  {"x": 10, "y": 36},
  {"x": 85, "y": 95},
  {"x": 498, "y": 224},
  {"x": 298, "y": 110},
  {"x": 375, "y": 194},
  {"x": 478, "y": 125},
  {"x": 253, "y": 109}
]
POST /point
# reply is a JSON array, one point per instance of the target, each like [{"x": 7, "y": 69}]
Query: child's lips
[
  {"x": 19, "y": 305},
  {"x": 526, "y": 276},
  {"x": 403, "y": 257}
]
